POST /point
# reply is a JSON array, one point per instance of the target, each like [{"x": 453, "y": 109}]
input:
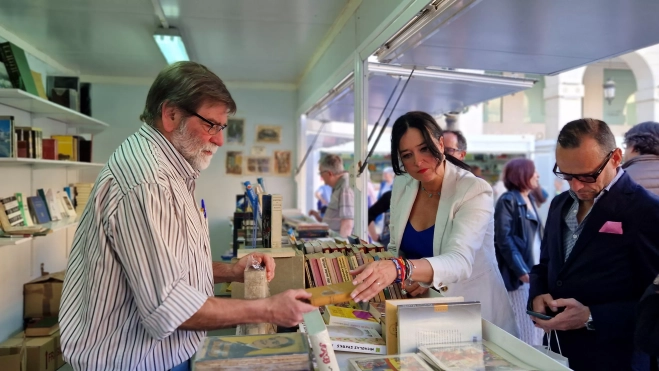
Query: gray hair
[
  {"x": 186, "y": 85},
  {"x": 574, "y": 131},
  {"x": 462, "y": 141},
  {"x": 332, "y": 163},
  {"x": 644, "y": 137}
]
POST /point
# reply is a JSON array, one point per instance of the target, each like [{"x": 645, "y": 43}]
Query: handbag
[{"x": 546, "y": 349}]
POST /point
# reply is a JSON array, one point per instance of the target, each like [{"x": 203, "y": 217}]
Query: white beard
[{"x": 192, "y": 148}]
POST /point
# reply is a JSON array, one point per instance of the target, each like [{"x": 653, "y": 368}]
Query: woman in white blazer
[{"x": 441, "y": 223}]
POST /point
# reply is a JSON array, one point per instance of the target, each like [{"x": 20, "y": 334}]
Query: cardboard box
[
  {"x": 289, "y": 274},
  {"x": 59, "y": 356},
  {"x": 13, "y": 362},
  {"x": 41, "y": 297},
  {"x": 40, "y": 352}
]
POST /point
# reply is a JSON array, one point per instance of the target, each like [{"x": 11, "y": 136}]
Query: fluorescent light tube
[{"x": 171, "y": 45}]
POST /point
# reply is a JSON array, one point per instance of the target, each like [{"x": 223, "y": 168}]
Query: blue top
[{"x": 417, "y": 245}]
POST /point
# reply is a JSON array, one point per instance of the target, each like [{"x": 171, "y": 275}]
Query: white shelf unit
[{"x": 20, "y": 258}]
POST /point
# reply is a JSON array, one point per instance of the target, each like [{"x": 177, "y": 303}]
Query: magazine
[
  {"x": 398, "y": 362},
  {"x": 471, "y": 357}
]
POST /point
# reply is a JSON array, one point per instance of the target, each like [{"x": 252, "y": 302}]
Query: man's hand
[
  {"x": 316, "y": 215},
  {"x": 573, "y": 317},
  {"x": 266, "y": 260},
  {"x": 415, "y": 289},
  {"x": 540, "y": 302},
  {"x": 524, "y": 278},
  {"x": 286, "y": 308}
]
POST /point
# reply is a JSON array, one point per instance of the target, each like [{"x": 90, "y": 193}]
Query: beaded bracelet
[{"x": 399, "y": 271}]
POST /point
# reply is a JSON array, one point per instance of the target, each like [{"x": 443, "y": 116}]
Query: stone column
[{"x": 563, "y": 100}]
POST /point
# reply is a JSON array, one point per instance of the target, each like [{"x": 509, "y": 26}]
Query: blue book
[
  {"x": 38, "y": 209},
  {"x": 7, "y": 136}
]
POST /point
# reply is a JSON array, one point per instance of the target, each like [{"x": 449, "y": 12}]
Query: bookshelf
[
  {"x": 47, "y": 164},
  {"x": 40, "y": 107},
  {"x": 53, "y": 226}
]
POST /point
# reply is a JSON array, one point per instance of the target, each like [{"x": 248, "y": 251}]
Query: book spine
[
  {"x": 324, "y": 271},
  {"x": 346, "y": 346},
  {"x": 275, "y": 221}
]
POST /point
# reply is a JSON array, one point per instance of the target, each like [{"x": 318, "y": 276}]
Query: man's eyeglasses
[
  {"x": 585, "y": 178},
  {"x": 451, "y": 151},
  {"x": 214, "y": 128}
]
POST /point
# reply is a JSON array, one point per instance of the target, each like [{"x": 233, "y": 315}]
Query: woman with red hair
[{"x": 517, "y": 233}]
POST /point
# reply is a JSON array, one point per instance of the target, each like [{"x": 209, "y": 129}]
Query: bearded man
[{"x": 138, "y": 293}]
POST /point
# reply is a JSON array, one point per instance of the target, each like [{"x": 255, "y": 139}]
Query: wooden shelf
[
  {"x": 47, "y": 164},
  {"x": 43, "y": 108},
  {"x": 53, "y": 226}
]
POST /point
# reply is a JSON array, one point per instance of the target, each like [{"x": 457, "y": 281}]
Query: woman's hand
[
  {"x": 415, "y": 289},
  {"x": 371, "y": 278},
  {"x": 525, "y": 278}
]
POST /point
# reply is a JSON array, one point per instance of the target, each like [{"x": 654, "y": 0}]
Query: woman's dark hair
[
  {"x": 644, "y": 137},
  {"x": 517, "y": 174},
  {"x": 430, "y": 130}
]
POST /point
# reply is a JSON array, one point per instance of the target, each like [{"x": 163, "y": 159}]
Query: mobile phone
[{"x": 538, "y": 315}]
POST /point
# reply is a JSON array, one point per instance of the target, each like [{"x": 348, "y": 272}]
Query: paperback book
[
  {"x": 287, "y": 351},
  {"x": 398, "y": 362},
  {"x": 477, "y": 356},
  {"x": 334, "y": 315}
]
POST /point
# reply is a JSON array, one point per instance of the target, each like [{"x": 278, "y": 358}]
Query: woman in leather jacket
[{"x": 517, "y": 233}]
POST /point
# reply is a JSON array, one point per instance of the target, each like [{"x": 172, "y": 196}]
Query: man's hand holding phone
[{"x": 574, "y": 316}]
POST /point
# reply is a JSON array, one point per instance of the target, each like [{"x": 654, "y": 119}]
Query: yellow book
[
  {"x": 65, "y": 147},
  {"x": 332, "y": 294}
]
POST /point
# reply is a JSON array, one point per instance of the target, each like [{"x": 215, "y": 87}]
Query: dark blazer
[
  {"x": 514, "y": 235},
  {"x": 606, "y": 272}
]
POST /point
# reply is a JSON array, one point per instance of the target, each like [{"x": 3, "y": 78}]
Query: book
[
  {"x": 66, "y": 205},
  {"x": 25, "y": 210},
  {"x": 320, "y": 341},
  {"x": 356, "y": 340},
  {"x": 12, "y": 210},
  {"x": 18, "y": 68},
  {"x": 7, "y": 136},
  {"x": 38, "y": 209},
  {"x": 286, "y": 351},
  {"x": 398, "y": 362},
  {"x": 335, "y": 315},
  {"x": 422, "y": 324},
  {"x": 391, "y": 317},
  {"x": 42, "y": 327},
  {"x": 332, "y": 294},
  {"x": 471, "y": 357}
]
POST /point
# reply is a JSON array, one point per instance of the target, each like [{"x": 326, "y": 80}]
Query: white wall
[
  {"x": 21, "y": 263},
  {"x": 121, "y": 105}
]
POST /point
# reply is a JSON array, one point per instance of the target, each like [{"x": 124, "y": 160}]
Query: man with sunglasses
[
  {"x": 138, "y": 293},
  {"x": 599, "y": 253}
]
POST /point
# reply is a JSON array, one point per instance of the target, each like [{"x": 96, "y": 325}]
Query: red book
[{"x": 49, "y": 149}]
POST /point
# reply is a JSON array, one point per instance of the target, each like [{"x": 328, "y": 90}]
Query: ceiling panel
[
  {"x": 435, "y": 96},
  {"x": 532, "y": 36},
  {"x": 248, "y": 40}
]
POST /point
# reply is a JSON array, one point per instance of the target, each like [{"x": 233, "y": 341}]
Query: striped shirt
[
  {"x": 140, "y": 264},
  {"x": 341, "y": 205}
]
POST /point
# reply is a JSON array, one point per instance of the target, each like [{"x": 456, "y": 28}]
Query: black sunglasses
[
  {"x": 585, "y": 178},
  {"x": 214, "y": 128}
]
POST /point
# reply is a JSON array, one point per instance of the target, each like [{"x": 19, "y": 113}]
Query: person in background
[
  {"x": 138, "y": 292},
  {"x": 323, "y": 195},
  {"x": 477, "y": 171},
  {"x": 599, "y": 253},
  {"x": 387, "y": 181},
  {"x": 517, "y": 236},
  {"x": 340, "y": 213},
  {"x": 647, "y": 324},
  {"x": 441, "y": 226},
  {"x": 455, "y": 144},
  {"x": 642, "y": 155},
  {"x": 380, "y": 208}
]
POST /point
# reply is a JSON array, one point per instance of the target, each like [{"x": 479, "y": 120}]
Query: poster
[
  {"x": 282, "y": 162},
  {"x": 268, "y": 134},
  {"x": 258, "y": 165},
  {"x": 235, "y": 131},
  {"x": 234, "y": 164},
  {"x": 258, "y": 151}
]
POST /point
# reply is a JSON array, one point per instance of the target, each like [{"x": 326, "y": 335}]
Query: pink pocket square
[{"x": 612, "y": 227}]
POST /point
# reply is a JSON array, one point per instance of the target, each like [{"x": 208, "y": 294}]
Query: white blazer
[{"x": 464, "y": 262}]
